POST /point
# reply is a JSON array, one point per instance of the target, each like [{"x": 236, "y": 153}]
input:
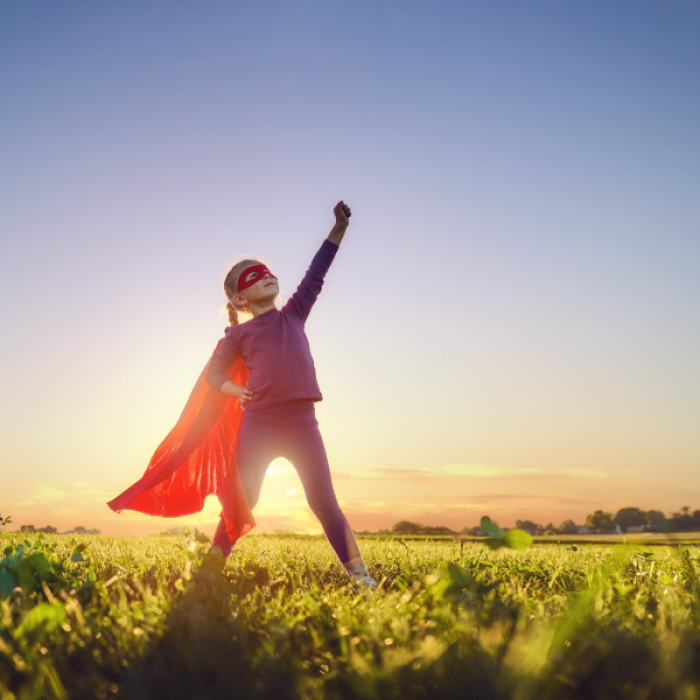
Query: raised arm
[
  {"x": 342, "y": 215},
  {"x": 302, "y": 301}
]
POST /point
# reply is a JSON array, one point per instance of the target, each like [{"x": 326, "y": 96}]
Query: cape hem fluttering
[{"x": 196, "y": 459}]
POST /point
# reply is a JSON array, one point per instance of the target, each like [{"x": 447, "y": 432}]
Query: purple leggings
[{"x": 290, "y": 430}]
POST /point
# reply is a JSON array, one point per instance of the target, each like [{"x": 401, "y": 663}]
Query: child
[{"x": 266, "y": 365}]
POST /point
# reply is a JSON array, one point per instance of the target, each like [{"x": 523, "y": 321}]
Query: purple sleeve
[
  {"x": 303, "y": 299},
  {"x": 224, "y": 356}
]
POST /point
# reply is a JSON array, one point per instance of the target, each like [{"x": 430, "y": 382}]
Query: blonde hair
[{"x": 231, "y": 288}]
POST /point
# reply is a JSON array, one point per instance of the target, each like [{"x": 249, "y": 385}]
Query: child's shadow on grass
[{"x": 206, "y": 652}]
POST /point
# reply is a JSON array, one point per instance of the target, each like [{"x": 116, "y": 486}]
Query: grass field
[{"x": 110, "y": 617}]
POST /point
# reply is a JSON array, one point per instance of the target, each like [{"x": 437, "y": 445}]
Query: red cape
[{"x": 196, "y": 459}]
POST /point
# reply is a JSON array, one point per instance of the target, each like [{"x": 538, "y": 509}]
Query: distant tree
[
  {"x": 655, "y": 520},
  {"x": 406, "y": 527},
  {"x": 550, "y": 529},
  {"x": 568, "y": 527},
  {"x": 600, "y": 522},
  {"x": 685, "y": 510},
  {"x": 630, "y": 517},
  {"x": 684, "y": 523},
  {"x": 438, "y": 530},
  {"x": 528, "y": 526}
]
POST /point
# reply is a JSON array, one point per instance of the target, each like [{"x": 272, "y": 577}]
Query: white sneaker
[{"x": 360, "y": 576}]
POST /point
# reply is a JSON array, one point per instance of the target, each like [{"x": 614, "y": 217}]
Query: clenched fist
[{"x": 342, "y": 213}]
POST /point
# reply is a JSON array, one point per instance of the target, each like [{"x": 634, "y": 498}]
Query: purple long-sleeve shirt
[{"x": 274, "y": 346}]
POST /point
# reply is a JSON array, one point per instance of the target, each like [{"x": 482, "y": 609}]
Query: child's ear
[{"x": 238, "y": 300}]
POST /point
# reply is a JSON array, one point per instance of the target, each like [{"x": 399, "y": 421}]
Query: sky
[{"x": 510, "y": 325}]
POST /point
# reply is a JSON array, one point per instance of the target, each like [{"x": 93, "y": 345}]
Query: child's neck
[{"x": 257, "y": 309}]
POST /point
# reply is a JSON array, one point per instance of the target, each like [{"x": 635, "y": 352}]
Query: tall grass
[{"x": 103, "y": 617}]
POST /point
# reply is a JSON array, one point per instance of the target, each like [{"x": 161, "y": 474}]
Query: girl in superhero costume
[{"x": 253, "y": 402}]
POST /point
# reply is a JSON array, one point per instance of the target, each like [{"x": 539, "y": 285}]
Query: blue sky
[{"x": 518, "y": 287}]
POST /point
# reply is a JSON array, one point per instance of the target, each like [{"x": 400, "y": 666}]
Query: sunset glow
[{"x": 509, "y": 325}]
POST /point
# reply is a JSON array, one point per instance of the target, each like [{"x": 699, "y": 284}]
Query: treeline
[
  {"x": 647, "y": 520},
  {"x": 629, "y": 519},
  {"x": 406, "y": 527}
]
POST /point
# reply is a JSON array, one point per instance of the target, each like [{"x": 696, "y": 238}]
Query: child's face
[{"x": 264, "y": 289}]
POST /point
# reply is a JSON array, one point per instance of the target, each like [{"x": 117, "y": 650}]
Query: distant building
[
  {"x": 177, "y": 531},
  {"x": 476, "y": 532},
  {"x": 51, "y": 530},
  {"x": 80, "y": 530},
  {"x": 583, "y": 530}
]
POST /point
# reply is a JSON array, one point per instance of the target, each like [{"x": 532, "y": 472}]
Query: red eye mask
[{"x": 260, "y": 269}]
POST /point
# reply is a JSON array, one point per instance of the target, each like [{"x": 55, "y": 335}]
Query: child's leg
[
  {"x": 305, "y": 449},
  {"x": 256, "y": 449}
]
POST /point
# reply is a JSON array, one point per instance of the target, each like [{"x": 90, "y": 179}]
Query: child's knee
[{"x": 326, "y": 510}]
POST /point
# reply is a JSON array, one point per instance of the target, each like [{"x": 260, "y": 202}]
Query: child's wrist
[{"x": 337, "y": 233}]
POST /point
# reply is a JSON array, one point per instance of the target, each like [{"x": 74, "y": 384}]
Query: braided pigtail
[{"x": 232, "y": 314}]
